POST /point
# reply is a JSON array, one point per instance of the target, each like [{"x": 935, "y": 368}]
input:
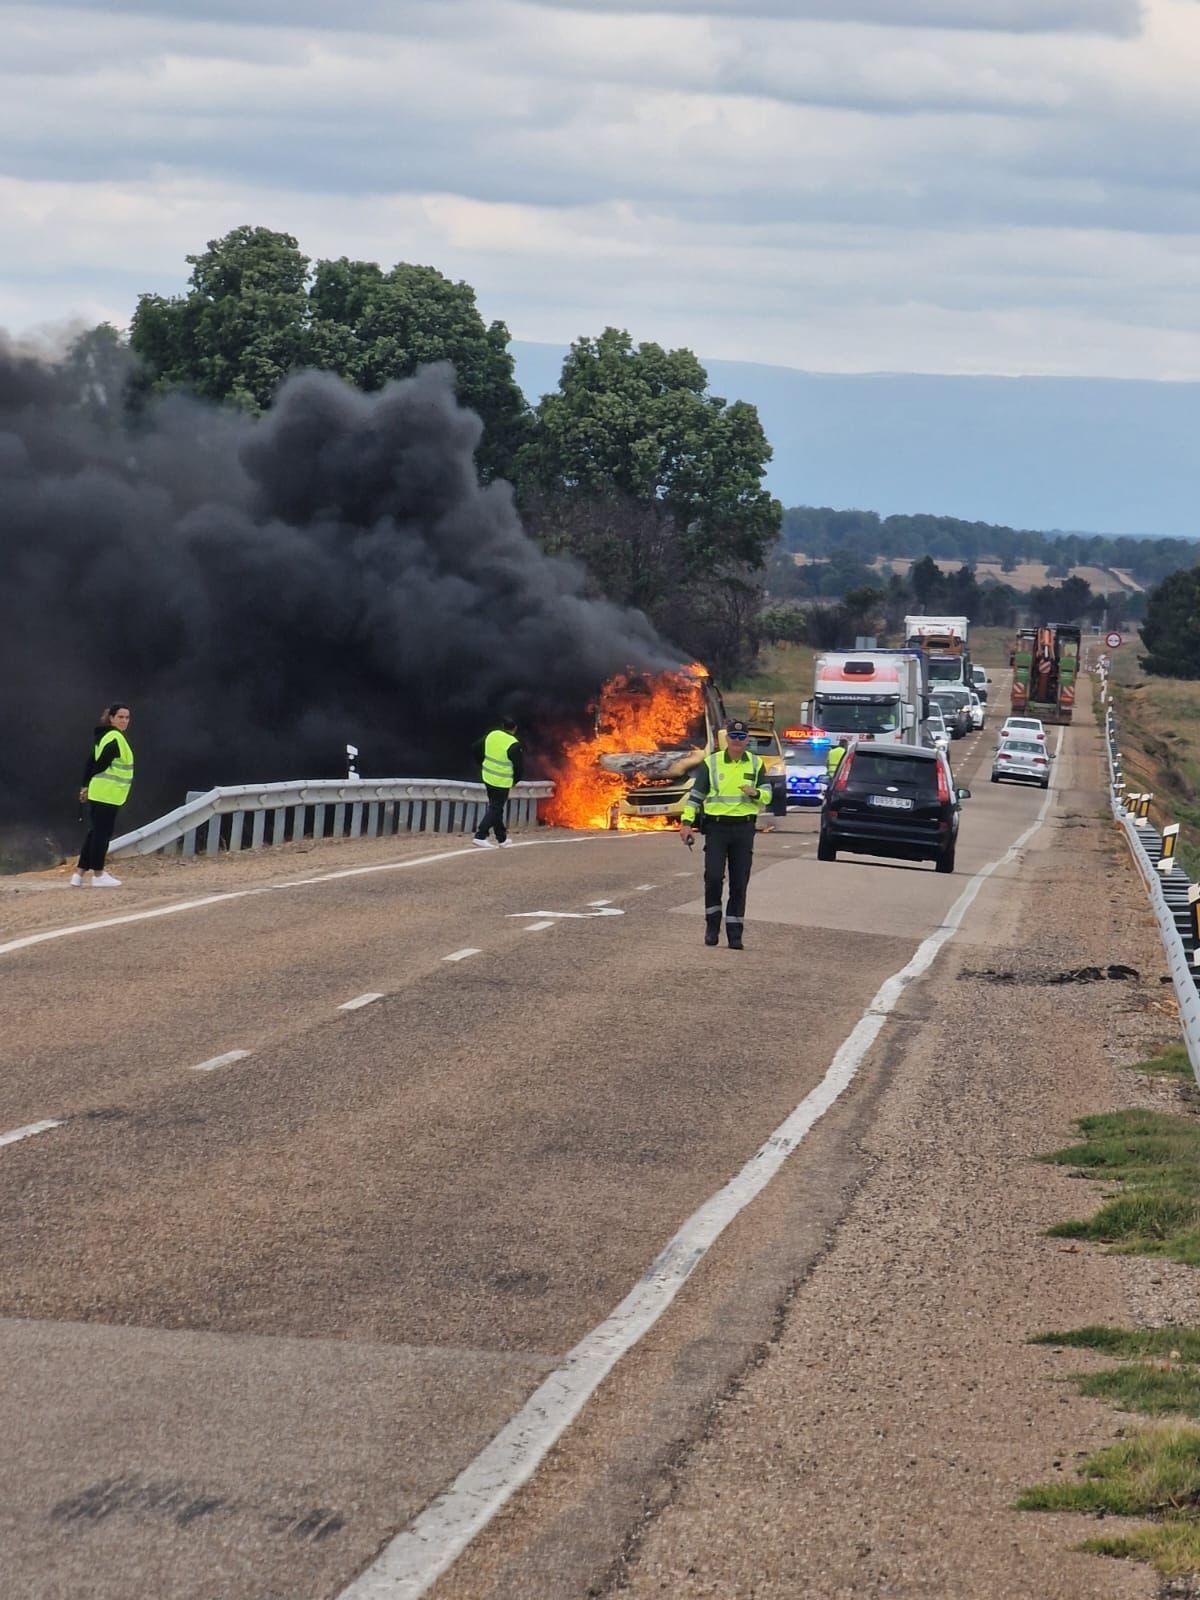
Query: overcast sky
[{"x": 1007, "y": 186}]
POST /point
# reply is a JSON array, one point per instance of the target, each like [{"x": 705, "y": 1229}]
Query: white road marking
[
  {"x": 28, "y": 1131},
  {"x": 225, "y": 895},
  {"x": 359, "y": 1001},
  {"x": 414, "y": 1560},
  {"x": 537, "y": 927},
  {"x": 461, "y": 955},
  {"x": 573, "y": 916},
  {"x": 642, "y": 887},
  {"x": 599, "y": 902},
  {"x": 220, "y": 1061}
]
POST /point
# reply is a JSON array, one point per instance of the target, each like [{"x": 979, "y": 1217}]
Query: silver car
[
  {"x": 1025, "y": 760},
  {"x": 936, "y": 729}
]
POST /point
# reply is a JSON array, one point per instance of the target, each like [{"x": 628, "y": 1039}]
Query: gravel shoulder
[{"x": 877, "y": 1447}]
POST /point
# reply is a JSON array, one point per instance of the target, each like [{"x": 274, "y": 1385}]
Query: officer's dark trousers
[
  {"x": 493, "y": 817},
  {"x": 95, "y": 846},
  {"x": 728, "y": 842}
]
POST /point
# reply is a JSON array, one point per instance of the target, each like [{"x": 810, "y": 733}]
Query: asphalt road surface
[{"x": 275, "y": 1267}]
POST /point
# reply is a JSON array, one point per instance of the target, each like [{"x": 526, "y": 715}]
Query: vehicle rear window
[
  {"x": 1023, "y": 747},
  {"x": 871, "y": 768}
]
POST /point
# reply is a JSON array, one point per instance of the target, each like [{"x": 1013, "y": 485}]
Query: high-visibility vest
[
  {"x": 833, "y": 759},
  {"x": 725, "y": 780},
  {"x": 113, "y": 784},
  {"x": 497, "y": 768}
]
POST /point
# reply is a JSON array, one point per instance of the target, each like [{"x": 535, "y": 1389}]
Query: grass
[
  {"x": 1159, "y": 723},
  {"x": 1171, "y": 1062},
  {"x": 785, "y": 675},
  {"x": 1155, "y": 1472},
  {"x": 1181, "y": 1344}
]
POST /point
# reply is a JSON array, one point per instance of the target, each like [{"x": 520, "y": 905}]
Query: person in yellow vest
[
  {"x": 501, "y": 764},
  {"x": 733, "y": 787},
  {"x": 107, "y": 780},
  {"x": 834, "y": 757}
]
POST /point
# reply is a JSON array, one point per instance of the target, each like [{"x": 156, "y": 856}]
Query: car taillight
[
  {"x": 943, "y": 786},
  {"x": 1040, "y": 761},
  {"x": 1003, "y": 757},
  {"x": 843, "y": 772}
]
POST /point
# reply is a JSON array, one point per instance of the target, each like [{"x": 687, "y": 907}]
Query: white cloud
[{"x": 814, "y": 183}]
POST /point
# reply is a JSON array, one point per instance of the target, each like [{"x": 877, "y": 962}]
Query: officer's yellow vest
[
  {"x": 725, "y": 780},
  {"x": 113, "y": 784},
  {"x": 833, "y": 759},
  {"x": 497, "y": 768}
]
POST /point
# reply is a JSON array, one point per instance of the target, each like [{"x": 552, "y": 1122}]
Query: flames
[{"x": 643, "y": 714}]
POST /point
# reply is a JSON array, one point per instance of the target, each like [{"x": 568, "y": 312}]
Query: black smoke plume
[{"x": 263, "y": 592}]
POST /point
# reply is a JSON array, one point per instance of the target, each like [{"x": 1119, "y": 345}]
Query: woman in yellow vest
[{"x": 107, "y": 780}]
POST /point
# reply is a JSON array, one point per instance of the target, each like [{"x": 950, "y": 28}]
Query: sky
[{"x": 956, "y": 186}]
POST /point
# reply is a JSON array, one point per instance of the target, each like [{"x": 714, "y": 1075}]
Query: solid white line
[
  {"x": 28, "y": 1131},
  {"x": 358, "y": 1001},
  {"x": 599, "y": 902},
  {"x": 537, "y": 927},
  {"x": 292, "y": 883},
  {"x": 220, "y": 1061},
  {"x": 417, "y": 1557},
  {"x": 461, "y": 955}
]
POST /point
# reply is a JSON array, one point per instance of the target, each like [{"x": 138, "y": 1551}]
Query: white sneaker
[
  {"x": 76, "y": 880},
  {"x": 507, "y": 844},
  {"x": 105, "y": 880},
  {"x": 485, "y": 844}
]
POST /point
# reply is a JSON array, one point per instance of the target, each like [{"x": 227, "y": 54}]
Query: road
[{"x": 275, "y": 1266}]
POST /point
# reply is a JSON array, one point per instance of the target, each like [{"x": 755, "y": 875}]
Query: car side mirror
[{"x": 963, "y": 794}]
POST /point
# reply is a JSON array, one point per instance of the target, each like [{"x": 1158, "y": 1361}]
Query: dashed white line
[
  {"x": 537, "y": 927},
  {"x": 359, "y": 1000},
  {"x": 461, "y": 955},
  {"x": 642, "y": 887},
  {"x": 599, "y": 902},
  {"x": 28, "y": 1131},
  {"x": 214, "y": 1062}
]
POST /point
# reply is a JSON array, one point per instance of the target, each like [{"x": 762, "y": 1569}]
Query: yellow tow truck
[{"x": 764, "y": 741}]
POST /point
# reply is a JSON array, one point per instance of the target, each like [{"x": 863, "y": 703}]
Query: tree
[
  {"x": 639, "y": 423},
  {"x": 925, "y": 580},
  {"x": 242, "y": 327},
  {"x": 255, "y": 312},
  {"x": 1171, "y": 631}
]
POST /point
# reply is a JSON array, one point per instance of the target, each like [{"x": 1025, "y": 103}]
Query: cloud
[{"x": 1117, "y": 17}]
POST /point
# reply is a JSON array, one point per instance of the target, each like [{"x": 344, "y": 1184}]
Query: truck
[
  {"x": 945, "y": 640},
  {"x": 1045, "y": 663},
  {"x": 872, "y": 695},
  {"x": 764, "y": 741},
  {"x": 652, "y": 731}
]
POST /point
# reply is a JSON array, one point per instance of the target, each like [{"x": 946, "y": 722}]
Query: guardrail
[
  {"x": 1173, "y": 897},
  {"x": 252, "y": 815}
]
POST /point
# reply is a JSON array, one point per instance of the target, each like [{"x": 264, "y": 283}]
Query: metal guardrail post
[{"x": 1170, "y": 835}]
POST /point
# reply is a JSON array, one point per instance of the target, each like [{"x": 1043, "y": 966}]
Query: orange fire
[{"x": 638, "y": 713}]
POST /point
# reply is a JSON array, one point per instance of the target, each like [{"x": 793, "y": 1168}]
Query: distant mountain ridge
[{"x": 1092, "y": 455}]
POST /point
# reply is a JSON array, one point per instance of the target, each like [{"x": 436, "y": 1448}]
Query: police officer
[
  {"x": 501, "y": 764},
  {"x": 733, "y": 787},
  {"x": 834, "y": 757}
]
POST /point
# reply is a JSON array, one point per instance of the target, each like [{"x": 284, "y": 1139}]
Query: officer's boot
[
  {"x": 712, "y": 926},
  {"x": 733, "y": 932}
]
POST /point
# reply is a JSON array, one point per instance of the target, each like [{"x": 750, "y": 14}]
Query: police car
[{"x": 804, "y": 753}]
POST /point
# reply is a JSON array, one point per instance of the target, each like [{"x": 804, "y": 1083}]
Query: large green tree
[
  {"x": 656, "y": 486},
  {"x": 257, "y": 309},
  {"x": 1171, "y": 631}
]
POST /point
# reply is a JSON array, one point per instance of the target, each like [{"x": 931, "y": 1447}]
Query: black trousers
[
  {"x": 728, "y": 843},
  {"x": 493, "y": 817},
  {"x": 95, "y": 845}
]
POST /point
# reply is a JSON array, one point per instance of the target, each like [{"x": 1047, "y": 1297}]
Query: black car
[{"x": 892, "y": 800}]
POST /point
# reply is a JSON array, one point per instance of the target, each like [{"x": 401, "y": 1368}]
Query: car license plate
[
  {"x": 652, "y": 811},
  {"x": 895, "y": 802}
]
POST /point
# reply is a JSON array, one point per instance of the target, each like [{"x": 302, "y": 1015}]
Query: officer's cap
[{"x": 735, "y": 728}]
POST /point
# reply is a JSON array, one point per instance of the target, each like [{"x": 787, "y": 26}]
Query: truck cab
[
  {"x": 658, "y": 781},
  {"x": 870, "y": 696}
]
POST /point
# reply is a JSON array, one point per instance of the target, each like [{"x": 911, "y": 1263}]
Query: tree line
[{"x": 820, "y": 531}]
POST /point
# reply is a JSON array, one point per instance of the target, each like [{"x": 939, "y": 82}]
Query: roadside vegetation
[{"x": 1149, "y": 1162}]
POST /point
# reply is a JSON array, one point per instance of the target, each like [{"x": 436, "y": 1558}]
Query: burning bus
[{"x": 634, "y": 770}]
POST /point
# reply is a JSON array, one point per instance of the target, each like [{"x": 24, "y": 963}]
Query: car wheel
[
  {"x": 825, "y": 850},
  {"x": 945, "y": 862},
  {"x": 995, "y": 779},
  {"x": 1045, "y": 783}
]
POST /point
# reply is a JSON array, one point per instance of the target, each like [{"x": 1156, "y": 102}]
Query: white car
[
  {"x": 935, "y": 727},
  {"x": 1022, "y": 759},
  {"x": 1022, "y": 728},
  {"x": 975, "y": 706},
  {"x": 979, "y": 682}
]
